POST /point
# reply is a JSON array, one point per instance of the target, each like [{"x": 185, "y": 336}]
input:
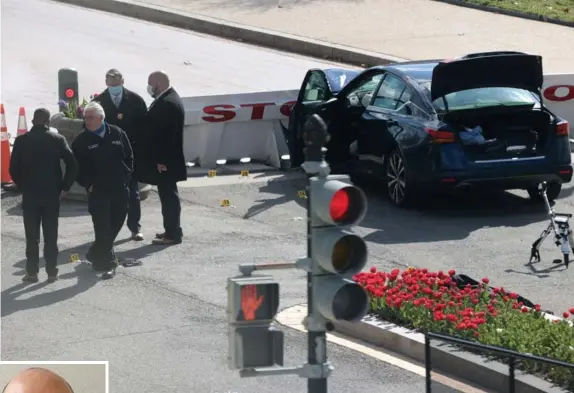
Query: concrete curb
[
  {"x": 517, "y": 14},
  {"x": 447, "y": 359},
  {"x": 251, "y": 35}
]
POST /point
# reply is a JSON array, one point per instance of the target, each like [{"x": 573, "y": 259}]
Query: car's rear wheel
[
  {"x": 397, "y": 182},
  {"x": 552, "y": 191}
]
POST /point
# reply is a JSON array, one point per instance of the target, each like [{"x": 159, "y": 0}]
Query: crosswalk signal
[
  {"x": 252, "y": 303},
  {"x": 68, "y": 84},
  {"x": 336, "y": 253}
]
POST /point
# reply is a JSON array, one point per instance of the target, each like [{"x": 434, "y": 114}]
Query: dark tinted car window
[
  {"x": 316, "y": 88},
  {"x": 389, "y": 93}
]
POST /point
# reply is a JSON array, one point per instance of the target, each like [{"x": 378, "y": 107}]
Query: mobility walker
[{"x": 559, "y": 225}]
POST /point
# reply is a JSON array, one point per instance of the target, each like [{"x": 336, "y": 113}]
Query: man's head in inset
[{"x": 38, "y": 380}]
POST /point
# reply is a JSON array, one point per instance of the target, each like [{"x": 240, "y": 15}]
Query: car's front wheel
[
  {"x": 552, "y": 191},
  {"x": 397, "y": 182}
]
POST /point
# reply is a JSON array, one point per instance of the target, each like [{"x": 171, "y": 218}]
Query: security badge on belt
[{"x": 120, "y": 116}]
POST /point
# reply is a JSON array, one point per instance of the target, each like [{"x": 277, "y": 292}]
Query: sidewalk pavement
[{"x": 406, "y": 29}]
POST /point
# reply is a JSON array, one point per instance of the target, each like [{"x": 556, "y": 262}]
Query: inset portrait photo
[{"x": 54, "y": 377}]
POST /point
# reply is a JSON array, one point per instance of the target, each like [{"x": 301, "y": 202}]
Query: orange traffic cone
[
  {"x": 4, "y": 150},
  {"x": 22, "y": 124}
]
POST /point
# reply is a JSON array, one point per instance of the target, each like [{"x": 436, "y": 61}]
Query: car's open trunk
[{"x": 494, "y": 136}]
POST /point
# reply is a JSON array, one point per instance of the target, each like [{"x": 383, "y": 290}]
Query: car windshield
[{"x": 485, "y": 97}]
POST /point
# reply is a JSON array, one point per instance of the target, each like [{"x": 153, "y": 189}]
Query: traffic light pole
[{"x": 314, "y": 165}]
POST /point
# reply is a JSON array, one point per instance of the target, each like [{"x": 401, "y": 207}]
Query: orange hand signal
[{"x": 250, "y": 302}]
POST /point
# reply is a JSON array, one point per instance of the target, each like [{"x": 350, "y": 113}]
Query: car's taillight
[
  {"x": 562, "y": 128},
  {"x": 440, "y": 136}
]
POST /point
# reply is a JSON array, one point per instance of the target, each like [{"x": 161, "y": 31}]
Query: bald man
[
  {"x": 162, "y": 160},
  {"x": 38, "y": 380}
]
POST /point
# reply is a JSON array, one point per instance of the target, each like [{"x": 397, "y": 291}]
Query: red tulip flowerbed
[{"x": 429, "y": 301}]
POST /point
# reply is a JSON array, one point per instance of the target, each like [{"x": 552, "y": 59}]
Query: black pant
[
  {"x": 134, "y": 209},
  {"x": 170, "y": 209},
  {"x": 43, "y": 212},
  {"x": 108, "y": 210}
]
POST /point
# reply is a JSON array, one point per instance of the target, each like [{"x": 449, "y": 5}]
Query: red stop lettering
[
  {"x": 287, "y": 108},
  {"x": 550, "y": 93},
  {"x": 219, "y": 113},
  {"x": 258, "y": 109}
]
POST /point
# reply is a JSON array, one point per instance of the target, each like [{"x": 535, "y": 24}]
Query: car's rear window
[{"x": 484, "y": 97}]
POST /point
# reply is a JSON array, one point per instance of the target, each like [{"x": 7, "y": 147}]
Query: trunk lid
[{"x": 517, "y": 70}]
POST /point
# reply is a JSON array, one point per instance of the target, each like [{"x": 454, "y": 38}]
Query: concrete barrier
[{"x": 236, "y": 126}]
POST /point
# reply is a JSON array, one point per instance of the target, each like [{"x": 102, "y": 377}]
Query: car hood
[{"x": 521, "y": 71}]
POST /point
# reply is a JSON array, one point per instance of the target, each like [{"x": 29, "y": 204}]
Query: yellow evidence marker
[
  {"x": 302, "y": 194},
  {"x": 244, "y": 173},
  {"x": 74, "y": 258},
  {"x": 225, "y": 203},
  {"x": 211, "y": 173}
]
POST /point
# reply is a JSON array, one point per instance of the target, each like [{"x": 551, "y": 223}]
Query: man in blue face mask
[{"x": 127, "y": 110}]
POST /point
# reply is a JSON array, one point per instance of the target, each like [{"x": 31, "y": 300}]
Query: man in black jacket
[
  {"x": 35, "y": 167},
  {"x": 105, "y": 161},
  {"x": 127, "y": 110},
  {"x": 163, "y": 159}
]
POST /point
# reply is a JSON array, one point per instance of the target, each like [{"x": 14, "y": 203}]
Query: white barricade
[{"x": 235, "y": 126}]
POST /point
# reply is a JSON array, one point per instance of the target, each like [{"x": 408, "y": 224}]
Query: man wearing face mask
[
  {"x": 105, "y": 161},
  {"x": 163, "y": 159},
  {"x": 127, "y": 110}
]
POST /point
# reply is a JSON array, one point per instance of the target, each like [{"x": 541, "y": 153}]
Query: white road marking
[{"x": 292, "y": 317}]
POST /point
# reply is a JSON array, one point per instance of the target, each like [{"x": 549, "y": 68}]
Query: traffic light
[
  {"x": 252, "y": 303},
  {"x": 337, "y": 254},
  {"x": 68, "y": 84}
]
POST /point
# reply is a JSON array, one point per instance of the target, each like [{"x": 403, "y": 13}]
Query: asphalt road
[{"x": 161, "y": 325}]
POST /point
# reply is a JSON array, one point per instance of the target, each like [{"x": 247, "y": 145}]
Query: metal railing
[{"x": 512, "y": 357}]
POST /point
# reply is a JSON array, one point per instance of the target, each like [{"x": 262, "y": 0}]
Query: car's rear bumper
[{"x": 502, "y": 181}]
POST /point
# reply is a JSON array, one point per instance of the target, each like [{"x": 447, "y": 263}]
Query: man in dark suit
[
  {"x": 36, "y": 170},
  {"x": 163, "y": 163},
  {"x": 105, "y": 162},
  {"x": 127, "y": 110}
]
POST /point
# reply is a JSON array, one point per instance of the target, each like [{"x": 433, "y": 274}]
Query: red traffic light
[
  {"x": 339, "y": 205},
  {"x": 347, "y": 205},
  {"x": 70, "y": 93}
]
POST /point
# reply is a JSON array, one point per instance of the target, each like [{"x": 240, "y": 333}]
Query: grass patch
[{"x": 557, "y": 9}]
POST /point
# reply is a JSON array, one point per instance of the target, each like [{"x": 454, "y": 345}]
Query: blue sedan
[{"x": 426, "y": 126}]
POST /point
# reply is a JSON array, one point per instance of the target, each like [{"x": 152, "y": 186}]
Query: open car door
[{"x": 313, "y": 94}]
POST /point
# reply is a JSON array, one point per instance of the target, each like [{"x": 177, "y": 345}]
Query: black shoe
[
  {"x": 164, "y": 241},
  {"x": 137, "y": 236},
  {"x": 30, "y": 278},
  {"x": 109, "y": 274}
]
